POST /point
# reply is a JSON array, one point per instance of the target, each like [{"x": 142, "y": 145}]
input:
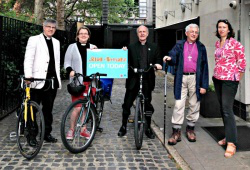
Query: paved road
[{"x": 106, "y": 152}]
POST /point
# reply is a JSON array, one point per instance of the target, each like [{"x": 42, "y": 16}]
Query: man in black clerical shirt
[
  {"x": 42, "y": 60},
  {"x": 140, "y": 55}
]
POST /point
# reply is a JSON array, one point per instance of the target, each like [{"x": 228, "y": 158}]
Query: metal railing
[{"x": 14, "y": 35}]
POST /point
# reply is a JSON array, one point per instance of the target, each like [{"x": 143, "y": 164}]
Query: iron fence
[{"x": 14, "y": 35}]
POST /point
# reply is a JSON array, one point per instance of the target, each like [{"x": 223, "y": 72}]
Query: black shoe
[
  {"x": 122, "y": 131},
  {"x": 50, "y": 138},
  {"x": 32, "y": 141},
  {"x": 149, "y": 133}
]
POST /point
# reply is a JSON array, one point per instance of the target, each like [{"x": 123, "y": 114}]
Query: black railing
[{"x": 14, "y": 35}]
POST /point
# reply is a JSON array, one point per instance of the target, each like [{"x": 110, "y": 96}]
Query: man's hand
[
  {"x": 27, "y": 81},
  {"x": 158, "y": 66},
  {"x": 166, "y": 58},
  {"x": 72, "y": 73},
  {"x": 203, "y": 91}
]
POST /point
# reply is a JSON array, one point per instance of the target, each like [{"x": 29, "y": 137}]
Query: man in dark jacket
[
  {"x": 140, "y": 55},
  {"x": 189, "y": 57}
]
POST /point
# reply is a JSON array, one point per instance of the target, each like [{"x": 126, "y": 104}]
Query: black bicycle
[
  {"x": 30, "y": 124},
  {"x": 83, "y": 117},
  {"x": 139, "y": 119}
]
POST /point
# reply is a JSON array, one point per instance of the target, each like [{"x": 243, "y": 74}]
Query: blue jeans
[{"x": 226, "y": 91}]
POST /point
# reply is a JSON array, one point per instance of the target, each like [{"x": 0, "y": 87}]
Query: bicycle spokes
[{"x": 78, "y": 126}]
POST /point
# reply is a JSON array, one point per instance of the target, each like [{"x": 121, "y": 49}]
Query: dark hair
[
  {"x": 231, "y": 31},
  {"x": 83, "y": 28}
]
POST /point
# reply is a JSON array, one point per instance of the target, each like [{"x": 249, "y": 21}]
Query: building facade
[{"x": 173, "y": 15}]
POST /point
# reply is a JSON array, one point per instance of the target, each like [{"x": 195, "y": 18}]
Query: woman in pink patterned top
[{"x": 229, "y": 68}]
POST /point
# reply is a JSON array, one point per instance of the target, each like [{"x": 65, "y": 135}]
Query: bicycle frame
[
  {"x": 89, "y": 96},
  {"x": 27, "y": 99},
  {"x": 140, "y": 110}
]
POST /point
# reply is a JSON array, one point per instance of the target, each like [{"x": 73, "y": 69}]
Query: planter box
[{"x": 210, "y": 107}]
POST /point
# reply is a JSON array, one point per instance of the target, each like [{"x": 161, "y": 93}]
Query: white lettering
[
  {"x": 96, "y": 66},
  {"x": 116, "y": 65}
]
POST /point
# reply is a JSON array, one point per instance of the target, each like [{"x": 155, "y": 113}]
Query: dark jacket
[
  {"x": 133, "y": 61},
  {"x": 177, "y": 60}
]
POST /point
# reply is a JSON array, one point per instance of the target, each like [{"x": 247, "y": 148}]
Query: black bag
[{"x": 75, "y": 88}]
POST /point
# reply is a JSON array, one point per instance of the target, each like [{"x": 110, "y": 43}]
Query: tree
[
  {"x": 60, "y": 14},
  {"x": 68, "y": 11},
  {"x": 38, "y": 11}
]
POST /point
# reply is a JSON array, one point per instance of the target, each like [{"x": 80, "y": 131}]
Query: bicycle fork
[{"x": 80, "y": 121}]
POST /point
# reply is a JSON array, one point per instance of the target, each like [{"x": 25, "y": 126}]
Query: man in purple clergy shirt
[{"x": 189, "y": 58}]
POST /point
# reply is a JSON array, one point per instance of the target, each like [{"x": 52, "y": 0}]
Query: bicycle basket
[{"x": 75, "y": 88}]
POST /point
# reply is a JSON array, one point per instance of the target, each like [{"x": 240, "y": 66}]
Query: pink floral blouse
[{"x": 231, "y": 61}]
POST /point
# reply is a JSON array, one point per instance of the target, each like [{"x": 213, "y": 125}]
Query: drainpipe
[{"x": 105, "y": 9}]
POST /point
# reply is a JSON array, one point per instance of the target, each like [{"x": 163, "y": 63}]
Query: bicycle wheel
[
  {"x": 33, "y": 130},
  {"x": 139, "y": 122},
  {"x": 99, "y": 108},
  {"x": 80, "y": 116}
]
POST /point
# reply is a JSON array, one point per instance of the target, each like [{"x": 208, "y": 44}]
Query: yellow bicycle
[{"x": 30, "y": 124}]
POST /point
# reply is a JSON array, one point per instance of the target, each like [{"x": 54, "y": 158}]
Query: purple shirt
[{"x": 190, "y": 54}]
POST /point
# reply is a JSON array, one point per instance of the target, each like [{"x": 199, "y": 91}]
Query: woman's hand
[
  {"x": 202, "y": 91},
  {"x": 241, "y": 75},
  {"x": 72, "y": 73},
  {"x": 93, "y": 47},
  {"x": 124, "y": 48}
]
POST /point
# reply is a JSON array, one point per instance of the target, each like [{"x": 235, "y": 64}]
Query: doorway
[{"x": 120, "y": 39}]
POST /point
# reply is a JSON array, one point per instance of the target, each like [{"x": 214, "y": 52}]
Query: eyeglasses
[{"x": 50, "y": 27}]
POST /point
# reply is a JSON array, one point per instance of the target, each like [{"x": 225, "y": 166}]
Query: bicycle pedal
[
  {"x": 99, "y": 129},
  {"x": 130, "y": 120},
  {"x": 12, "y": 136},
  {"x": 148, "y": 113}
]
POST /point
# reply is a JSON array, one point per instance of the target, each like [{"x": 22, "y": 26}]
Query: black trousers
[
  {"x": 46, "y": 98},
  {"x": 226, "y": 91},
  {"x": 130, "y": 96}
]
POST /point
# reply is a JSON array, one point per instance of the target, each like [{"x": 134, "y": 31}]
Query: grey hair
[
  {"x": 50, "y": 21},
  {"x": 193, "y": 26},
  {"x": 141, "y": 26}
]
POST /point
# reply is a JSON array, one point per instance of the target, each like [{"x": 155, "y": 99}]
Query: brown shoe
[
  {"x": 176, "y": 137},
  {"x": 190, "y": 134}
]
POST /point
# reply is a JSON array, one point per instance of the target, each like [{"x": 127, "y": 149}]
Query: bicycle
[
  {"x": 30, "y": 122},
  {"x": 83, "y": 116},
  {"x": 140, "y": 113}
]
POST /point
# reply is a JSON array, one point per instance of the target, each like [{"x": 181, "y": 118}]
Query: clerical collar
[
  {"x": 191, "y": 43},
  {"x": 83, "y": 44},
  {"x": 143, "y": 43},
  {"x": 47, "y": 38}
]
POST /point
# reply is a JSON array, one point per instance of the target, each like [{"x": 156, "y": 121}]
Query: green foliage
[
  {"x": 211, "y": 87},
  {"x": 26, "y": 32},
  {"x": 63, "y": 73},
  {"x": 11, "y": 71},
  {"x": 89, "y": 12},
  {"x": 23, "y": 17},
  {"x": 6, "y": 9}
]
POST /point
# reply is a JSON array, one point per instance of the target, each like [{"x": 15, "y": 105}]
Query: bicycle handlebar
[
  {"x": 136, "y": 70},
  {"x": 92, "y": 75},
  {"x": 22, "y": 79}
]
